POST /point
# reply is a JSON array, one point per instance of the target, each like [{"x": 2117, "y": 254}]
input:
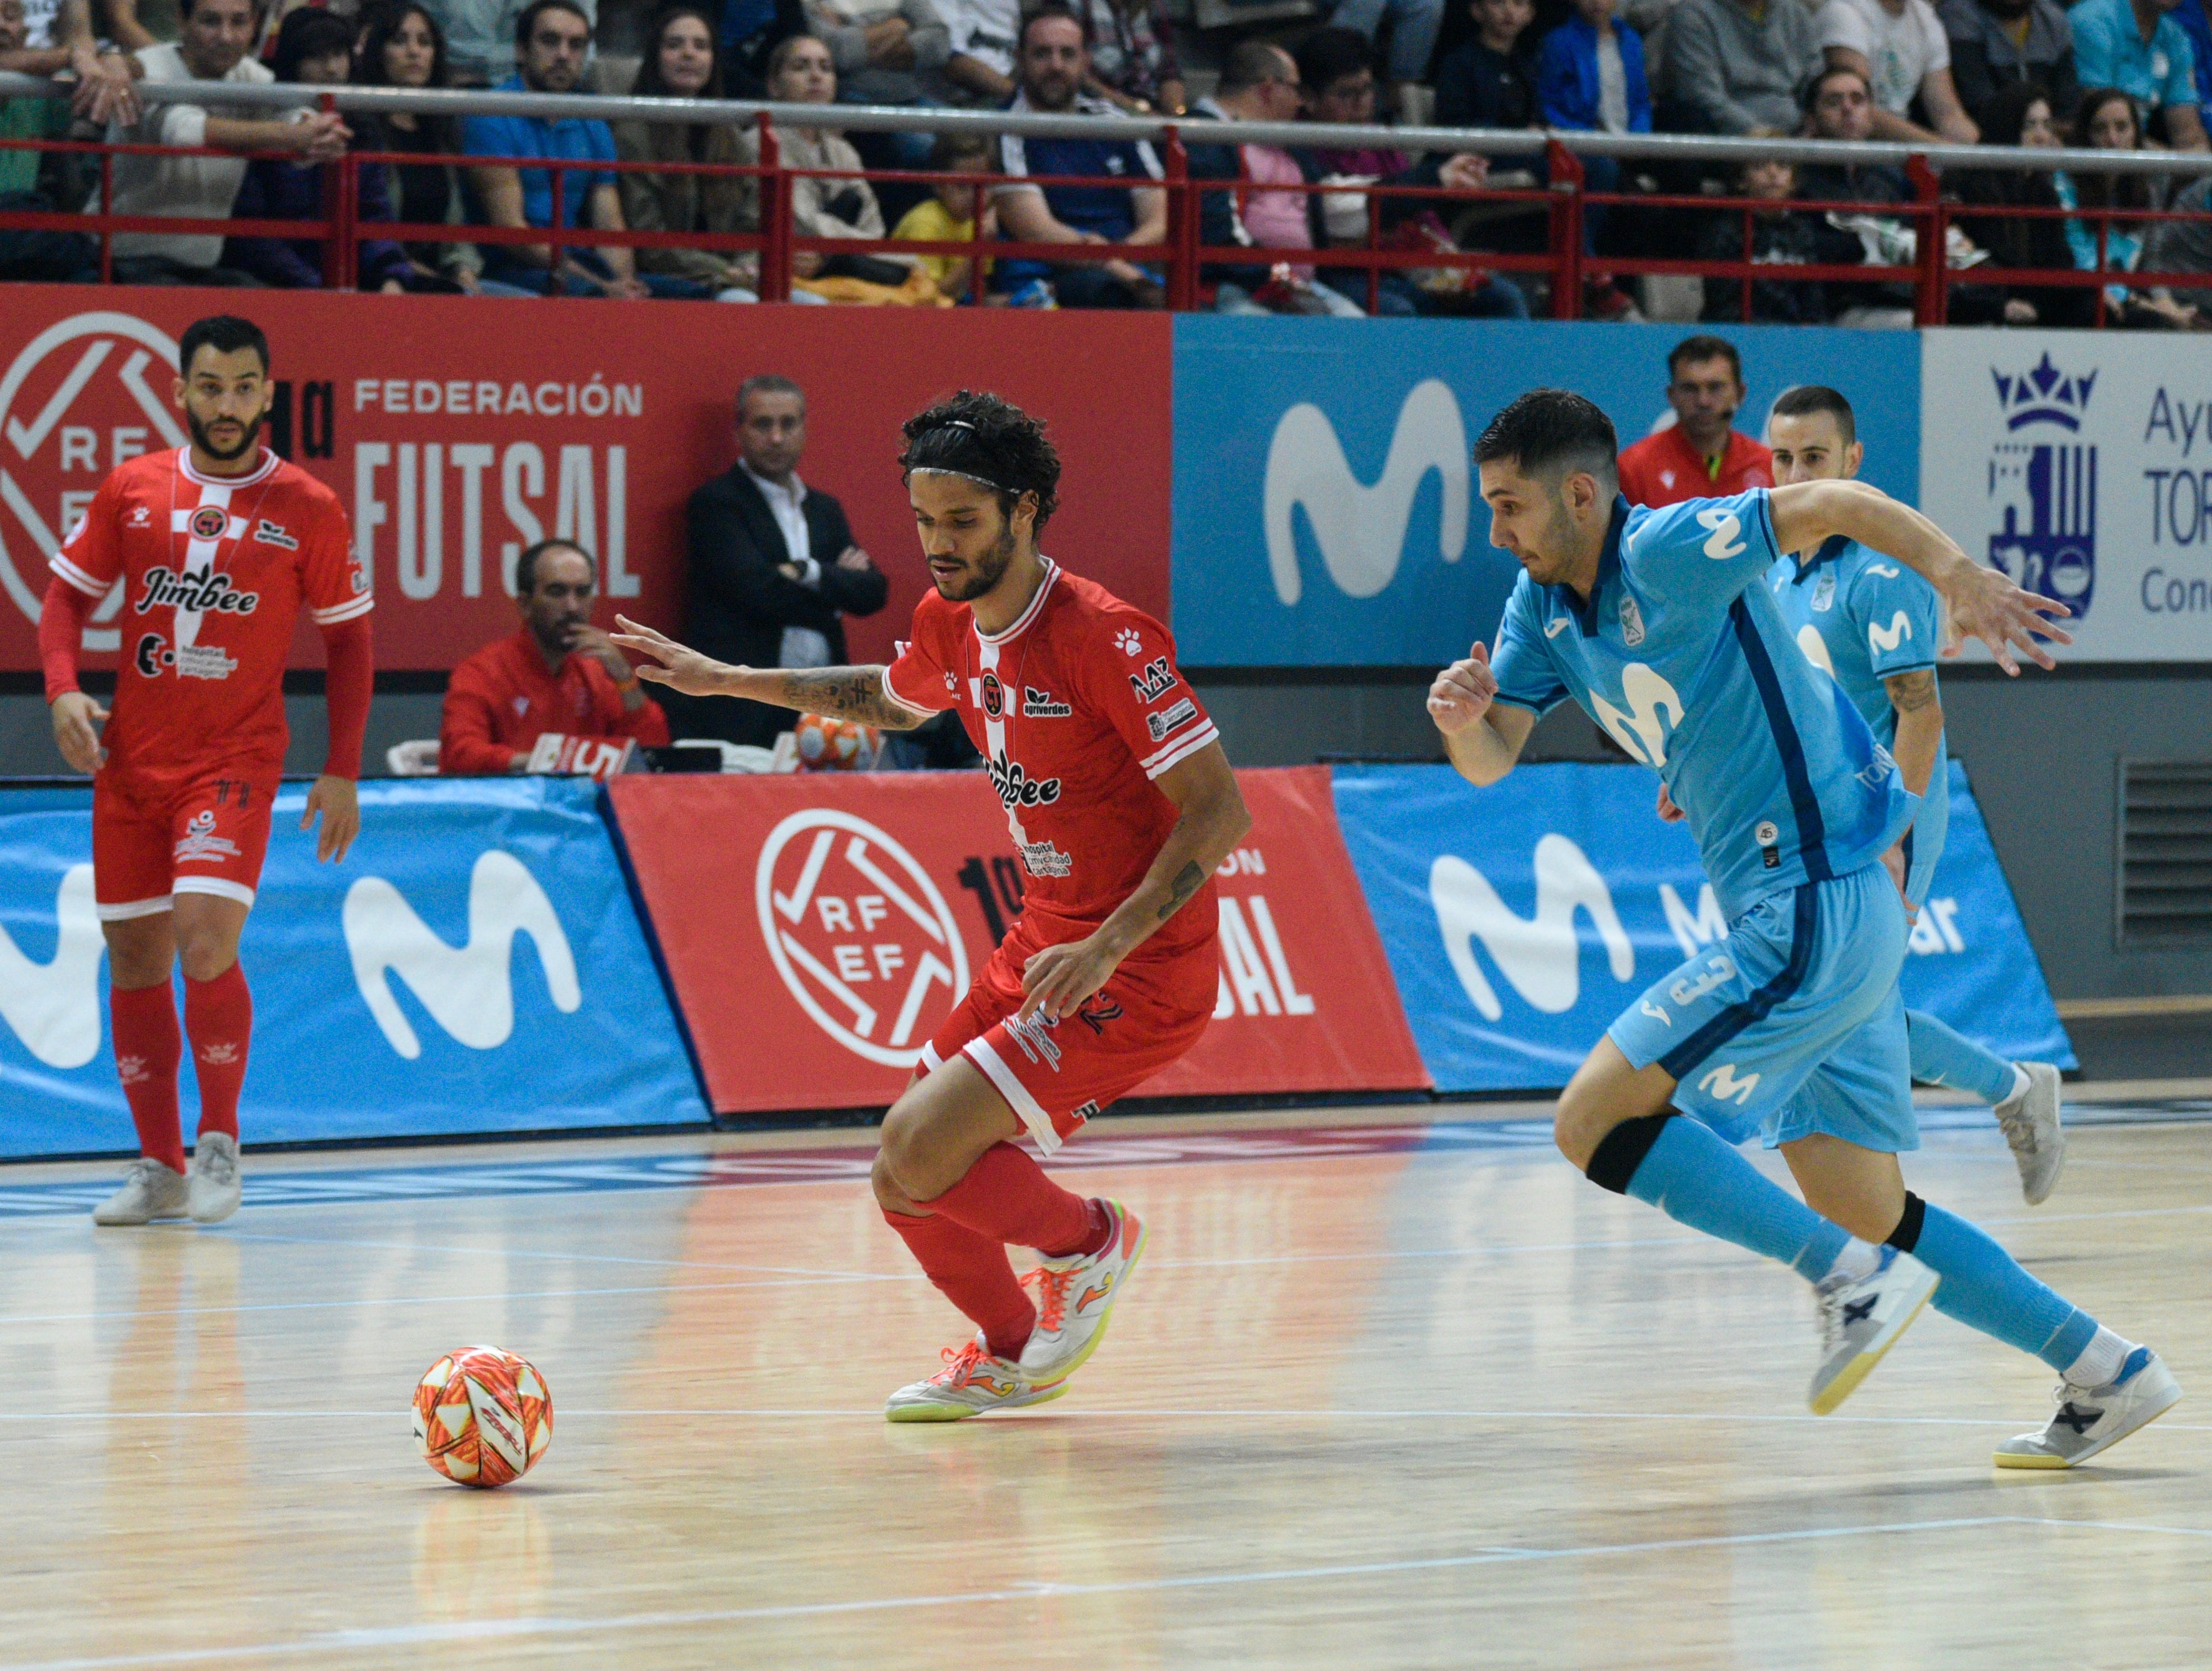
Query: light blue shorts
[{"x": 1793, "y": 1024}]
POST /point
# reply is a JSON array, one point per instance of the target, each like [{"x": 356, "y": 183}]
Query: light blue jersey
[{"x": 1682, "y": 656}]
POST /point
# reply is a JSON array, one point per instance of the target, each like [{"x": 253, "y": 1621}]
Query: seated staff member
[{"x": 559, "y": 673}]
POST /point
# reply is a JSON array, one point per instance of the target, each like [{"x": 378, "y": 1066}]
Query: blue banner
[
  {"x": 474, "y": 965},
  {"x": 1326, "y": 513},
  {"x": 1521, "y": 919}
]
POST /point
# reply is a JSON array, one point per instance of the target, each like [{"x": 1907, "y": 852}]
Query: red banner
[
  {"x": 819, "y": 928},
  {"x": 456, "y": 430}
]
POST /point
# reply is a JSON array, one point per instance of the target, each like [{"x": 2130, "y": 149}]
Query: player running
[
  {"x": 1876, "y": 627},
  {"x": 1656, "y": 624},
  {"x": 218, "y": 545},
  {"x": 1121, "y": 804}
]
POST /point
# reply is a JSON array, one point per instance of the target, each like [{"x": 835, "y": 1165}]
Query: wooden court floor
[{"x": 1379, "y": 1396}]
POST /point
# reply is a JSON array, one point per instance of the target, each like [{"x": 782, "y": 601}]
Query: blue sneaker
[
  {"x": 1861, "y": 1319},
  {"x": 2094, "y": 1419}
]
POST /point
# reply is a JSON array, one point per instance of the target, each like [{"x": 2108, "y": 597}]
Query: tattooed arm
[
  {"x": 841, "y": 693},
  {"x": 1211, "y": 819},
  {"x": 1919, "y": 725}
]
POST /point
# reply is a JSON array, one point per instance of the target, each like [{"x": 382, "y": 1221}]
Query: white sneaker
[
  {"x": 2094, "y": 1419},
  {"x": 215, "y": 1181},
  {"x": 1074, "y": 1297},
  {"x": 971, "y": 1383},
  {"x": 151, "y": 1191},
  {"x": 1860, "y": 1320},
  {"x": 2030, "y": 1121}
]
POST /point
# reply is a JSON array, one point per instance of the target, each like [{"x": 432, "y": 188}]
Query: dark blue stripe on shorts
[
  {"x": 1812, "y": 828},
  {"x": 1804, "y": 923}
]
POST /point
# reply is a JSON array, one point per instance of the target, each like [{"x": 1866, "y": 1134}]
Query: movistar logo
[
  {"x": 1541, "y": 956},
  {"x": 467, "y": 988},
  {"x": 1722, "y": 1085},
  {"x": 1361, "y": 530},
  {"x": 1889, "y": 638},
  {"x": 1721, "y": 528},
  {"x": 1655, "y": 711},
  {"x": 54, "y": 1007}
]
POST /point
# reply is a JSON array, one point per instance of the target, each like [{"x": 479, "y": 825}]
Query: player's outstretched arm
[
  {"x": 1483, "y": 740},
  {"x": 1210, "y": 819},
  {"x": 1983, "y": 601},
  {"x": 841, "y": 693}
]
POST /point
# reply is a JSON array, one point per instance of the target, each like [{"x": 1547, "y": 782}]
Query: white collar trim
[
  {"x": 260, "y": 472},
  {"x": 1028, "y": 616}
]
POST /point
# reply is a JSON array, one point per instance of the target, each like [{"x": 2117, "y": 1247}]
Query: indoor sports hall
[{"x": 717, "y": 724}]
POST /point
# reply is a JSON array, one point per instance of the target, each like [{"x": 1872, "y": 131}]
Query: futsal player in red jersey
[
  {"x": 1120, "y": 804},
  {"x": 218, "y": 544}
]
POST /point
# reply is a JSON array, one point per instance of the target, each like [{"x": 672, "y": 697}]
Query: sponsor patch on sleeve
[{"x": 1170, "y": 718}]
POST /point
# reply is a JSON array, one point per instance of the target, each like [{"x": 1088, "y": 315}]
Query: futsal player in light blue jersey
[
  {"x": 1876, "y": 627},
  {"x": 1659, "y": 625}
]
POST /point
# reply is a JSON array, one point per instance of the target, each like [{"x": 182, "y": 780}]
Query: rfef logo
[
  {"x": 79, "y": 400},
  {"x": 858, "y": 932}
]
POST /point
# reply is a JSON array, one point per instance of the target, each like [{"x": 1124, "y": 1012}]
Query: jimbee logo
[{"x": 2043, "y": 486}]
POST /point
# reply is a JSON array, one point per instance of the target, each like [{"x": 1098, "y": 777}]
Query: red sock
[
  {"x": 1007, "y": 1196},
  {"x": 145, "y": 1022},
  {"x": 219, "y": 1016},
  {"x": 970, "y": 1269}
]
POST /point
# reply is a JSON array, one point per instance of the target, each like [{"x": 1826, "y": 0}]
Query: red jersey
[
  {"x": 1665, "y": 469},
  {"x": 1075, "y": 706},
  {"x": 503, "y": 696},
  {"x": 215, "y": 570}
]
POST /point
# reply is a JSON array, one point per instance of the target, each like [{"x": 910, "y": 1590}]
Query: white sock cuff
[{"x": 2099, "y": 1365}]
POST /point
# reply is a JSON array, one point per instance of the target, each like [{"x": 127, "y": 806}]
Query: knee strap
[
  {"x": 1622, "y": 1151},
  {"x": 1906, "y": 1237}
]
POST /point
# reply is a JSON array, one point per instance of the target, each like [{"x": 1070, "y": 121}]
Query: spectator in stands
[
  {"x": 2138, "y": 47},
  {"x": 2185, "y": 247},
  {"x": 747, "y": 33},
  {"x": 315, "y": 47},
  {"x": 800, "y": 72},
  {"x": 886, "y": 53},
  {"x": 1259, "y": 83},
  {"x": 1778, "y": 236},
  {"x": 216, "y": 33},
  {"x": 485, "y": 36},
  {"x": 557, "y": 674},
  {"x": 774, "y": 570},
  {"x": 2109, "y": 243},
  {"x": 2189, "y": 15},
  {"x": 32, "y": 181},
  {"x": 981, "y": 38},
  {"x": 1490, "y": 82},
  {"x": 1899, "y": 46},
  {"x": 682, "y": 61},
  {"x": 955, "y": 212},
  {"x": 59, "y": 41},
  {"x": 1698, "y": 456},
  {"x": 1735, "y": 66},
  {"x": 1997, "y": 44},
  {"x": 1133, "y": 58},
  {"x": 403, "y": 47},
  {"x": 1591, "y": 77},
  {"x": 2019, "y": 114},
  {"x": 554, "y": 37},
  {"x": 1336, "y": 68},
  {"x": 1840, "y": 105},
  {"x": 1055, "y": 63},
  {"x": 1414, "y": 25}
]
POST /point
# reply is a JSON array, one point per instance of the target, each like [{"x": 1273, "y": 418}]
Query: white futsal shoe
[
  {"x": 151, "y": 1191},
  {"x": 972, "y": 1384},
  {"x": 2030, "y": 1122},
  {"x": 2094, "y": 1419},
  {"x": 1074, "y": 1297},
  {"x": 215, "y": 1181},
  {"x": 1860, "y": 1320}
]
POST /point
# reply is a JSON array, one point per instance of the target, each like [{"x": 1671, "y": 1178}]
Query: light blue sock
[
  {"x": 1984, "y": 1288},
  {"x": 1942, "y": 1057},
  {"x": 1697, "y": 1180}
]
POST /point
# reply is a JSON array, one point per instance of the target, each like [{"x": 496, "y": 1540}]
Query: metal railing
[{"x": 1564, "y": 199}]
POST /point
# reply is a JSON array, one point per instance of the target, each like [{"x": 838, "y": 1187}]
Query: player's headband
[{"x": 964, "y": 475}]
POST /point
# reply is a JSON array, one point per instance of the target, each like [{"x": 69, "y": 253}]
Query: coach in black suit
[{"x": 774, "y": 568}]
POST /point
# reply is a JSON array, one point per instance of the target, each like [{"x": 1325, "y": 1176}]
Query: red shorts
[
  {"x": 203, "y": 835},
  {"x": 1056, "y": 1074}
]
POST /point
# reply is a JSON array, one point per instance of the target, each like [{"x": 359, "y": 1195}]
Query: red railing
[{"x": 1181, "y": 256}]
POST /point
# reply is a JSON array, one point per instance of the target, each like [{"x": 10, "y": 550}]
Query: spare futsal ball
[
  {"x": 482, "y": 1416},
  {"x": 835, "y": 745}
]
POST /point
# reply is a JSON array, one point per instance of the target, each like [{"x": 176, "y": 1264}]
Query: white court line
[
  {"x": 407, "y": 1636},
  {"x": 503, "y": 1252}
]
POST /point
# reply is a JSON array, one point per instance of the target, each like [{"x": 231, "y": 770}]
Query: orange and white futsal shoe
[
  {"x": 1075, "y": 1297},
  {"x": 972, "y": 1384}
]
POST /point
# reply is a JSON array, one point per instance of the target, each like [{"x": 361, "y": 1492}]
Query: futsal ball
[
  {"x": 835, "y": 745},
  {"x": 482, "y": 1416}
]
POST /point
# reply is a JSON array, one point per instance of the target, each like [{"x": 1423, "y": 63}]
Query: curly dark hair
[{"x": 989, "y": 441}]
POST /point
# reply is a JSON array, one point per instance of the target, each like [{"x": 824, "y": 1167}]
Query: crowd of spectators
[{"x": 2107, "y": 75}]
